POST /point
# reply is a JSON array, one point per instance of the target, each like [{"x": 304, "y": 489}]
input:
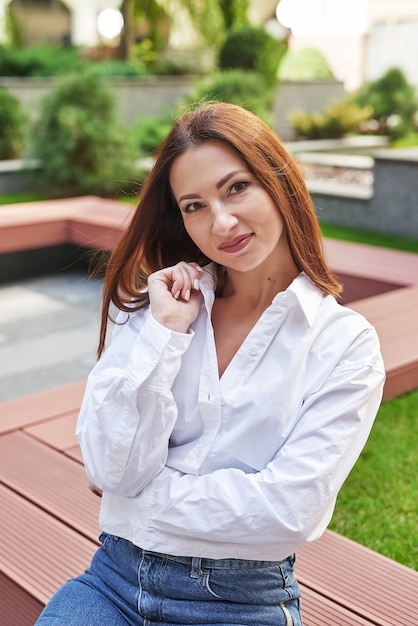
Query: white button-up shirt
[{"x": 246, "y": 466}]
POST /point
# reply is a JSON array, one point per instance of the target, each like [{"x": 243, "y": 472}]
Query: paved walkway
[{"x": 48, "y": 332}]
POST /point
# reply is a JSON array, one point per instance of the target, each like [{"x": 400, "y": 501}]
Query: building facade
[{"x": 386, "y": 34}]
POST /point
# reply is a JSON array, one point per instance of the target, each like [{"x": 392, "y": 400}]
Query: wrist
[{"x": 172, "y": 323}]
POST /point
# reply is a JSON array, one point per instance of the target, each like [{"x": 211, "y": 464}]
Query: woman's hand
[{"x": 174, "y": 294}]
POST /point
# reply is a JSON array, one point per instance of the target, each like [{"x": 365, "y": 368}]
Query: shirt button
[
  {"x": 253, "y": 350},
  {"x": 223, "y": 400}
]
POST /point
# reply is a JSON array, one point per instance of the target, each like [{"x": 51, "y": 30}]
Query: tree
[
  {"x": 128, "y": 34},
  {"x": 150, "y": 11},
  {"x": 213, "y": 18}
]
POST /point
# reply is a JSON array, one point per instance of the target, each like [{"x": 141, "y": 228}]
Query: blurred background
[{"x": 353, "y": 63}]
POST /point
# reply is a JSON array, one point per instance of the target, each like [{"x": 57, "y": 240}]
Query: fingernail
[
  {"x": 196, "y": 283},
  {"x": 176, "y": 295},
  {"x": 187, "y": 295}
]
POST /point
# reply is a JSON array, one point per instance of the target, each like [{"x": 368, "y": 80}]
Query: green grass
[
  {"x": 334, "y": 231},
  {"x": 377, "y": 505},
  {"x": 24, "y": 196}
]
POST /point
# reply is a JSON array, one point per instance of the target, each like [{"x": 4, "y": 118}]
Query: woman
[{"x": 234, "y": 398}]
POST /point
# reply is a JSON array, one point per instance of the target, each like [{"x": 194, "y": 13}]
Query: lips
[{"x": 236, "y": 244}]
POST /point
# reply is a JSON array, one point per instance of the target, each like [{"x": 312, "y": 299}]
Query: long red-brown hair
[{"x": 156, "y": 237}]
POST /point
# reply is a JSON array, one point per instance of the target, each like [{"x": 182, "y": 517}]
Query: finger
[
  {"x": 196, "y": 275},
  {"x": 194, "y": 272},
  {"x": 184, "y": 276}
]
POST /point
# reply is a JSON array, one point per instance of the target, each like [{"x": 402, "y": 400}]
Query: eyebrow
[
  {"x": 219, "y": 184},
  {"x": 225, "y": 179}
]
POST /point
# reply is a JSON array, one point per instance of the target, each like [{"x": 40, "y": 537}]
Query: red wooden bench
[
  {"x": 395, "y": 316},
  {"x": 86, "y": 221},
  {"x": 382, "y": 285},
  {"x": 49, "y": 529}
]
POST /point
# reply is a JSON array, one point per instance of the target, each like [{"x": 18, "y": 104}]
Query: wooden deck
[{"x": 49, "y": 525}]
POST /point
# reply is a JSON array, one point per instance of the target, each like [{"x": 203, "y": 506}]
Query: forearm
[{"x": 128, "y": 411}]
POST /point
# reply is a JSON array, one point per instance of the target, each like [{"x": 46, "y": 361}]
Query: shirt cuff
[{"x": 157, "y": 355}]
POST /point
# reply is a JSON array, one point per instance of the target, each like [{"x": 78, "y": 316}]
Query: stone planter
[{"x": 17, "y": 176}]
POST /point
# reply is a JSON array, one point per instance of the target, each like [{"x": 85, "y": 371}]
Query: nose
[{"x": 223, "y": 220}]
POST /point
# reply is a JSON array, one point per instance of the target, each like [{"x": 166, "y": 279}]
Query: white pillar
[
  {"x": 84, "y": 19},
  {"x": 3, "y": 7}
]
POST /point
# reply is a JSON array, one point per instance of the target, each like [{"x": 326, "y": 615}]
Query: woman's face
[{"x": 225, "y": 210}]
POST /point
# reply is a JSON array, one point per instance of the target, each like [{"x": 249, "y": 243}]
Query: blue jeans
[{"x": 128, "y": 585}]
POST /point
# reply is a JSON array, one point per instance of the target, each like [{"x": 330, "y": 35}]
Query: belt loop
[{"x": 196, "y": 567}]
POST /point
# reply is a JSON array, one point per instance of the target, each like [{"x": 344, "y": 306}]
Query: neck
[{"x": 258, "y": 287}]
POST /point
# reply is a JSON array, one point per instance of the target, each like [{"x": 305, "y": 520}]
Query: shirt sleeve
[
  {"x": 128, "y": 412},
  {"x": 290, "y": 502}
]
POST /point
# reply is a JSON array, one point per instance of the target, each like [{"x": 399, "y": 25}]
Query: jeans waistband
[{"x": 198, "y": 564}]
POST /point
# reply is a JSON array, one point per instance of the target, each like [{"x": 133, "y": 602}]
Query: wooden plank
[
  {"x": 41, "y": 406},
  {"x": 320, "y": 611},
  {"x": 17, "y": 607},
  {"x": 395, "y": 317},
  {"x": 399, "y": 352},
  {"x": 389, "y": 304},
  {"x": 358, "y": 287},
  {"x": 40, "y": 552},
  {"x": 29, "y": 236},
  {"x": 50, "y": 480},
  {"x": 58, "y": 432},
  {"x": 88, "y": 235},
  {"x": 400, "y": 382},
  {"x": 357, "y": 259},
  {"x": 87, "y": 220},
  {"x": 359, "y": 579},
  {"x": 75, "y": 453}
]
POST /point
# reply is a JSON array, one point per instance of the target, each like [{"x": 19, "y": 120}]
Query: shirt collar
[
  {"x": 307, "y": 295},
  {"x": 302, "y": 291}
]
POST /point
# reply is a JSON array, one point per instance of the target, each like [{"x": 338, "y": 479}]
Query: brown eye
[
  {"x": 192, "y": 207},
  {"x": 238, "y": 187}
]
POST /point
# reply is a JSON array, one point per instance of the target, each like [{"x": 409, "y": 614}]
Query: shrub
[
  {"x": 40, "y": 60},
  {"x": 117, "y": 67},
  {"x": 247, "y": 89},
  {"x": 150, "y": 131},
  {"x": 339, "y": 119},
  {"x": 394, "y": 102},
  {"x": 407, "y": 141},
  {"x": 304, "y": 64},
  {"x": 12, "y": 126},
  {"x": 252, "y": 48},
  {"x": 79, "y": 141}
]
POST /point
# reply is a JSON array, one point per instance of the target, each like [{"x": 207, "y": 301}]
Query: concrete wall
[
  {"x": 153, "y": 95},
  {"x": 306, "y": 95},
  {"x": 134, "y": 96},
  {"x": 392, "y": 208}
]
